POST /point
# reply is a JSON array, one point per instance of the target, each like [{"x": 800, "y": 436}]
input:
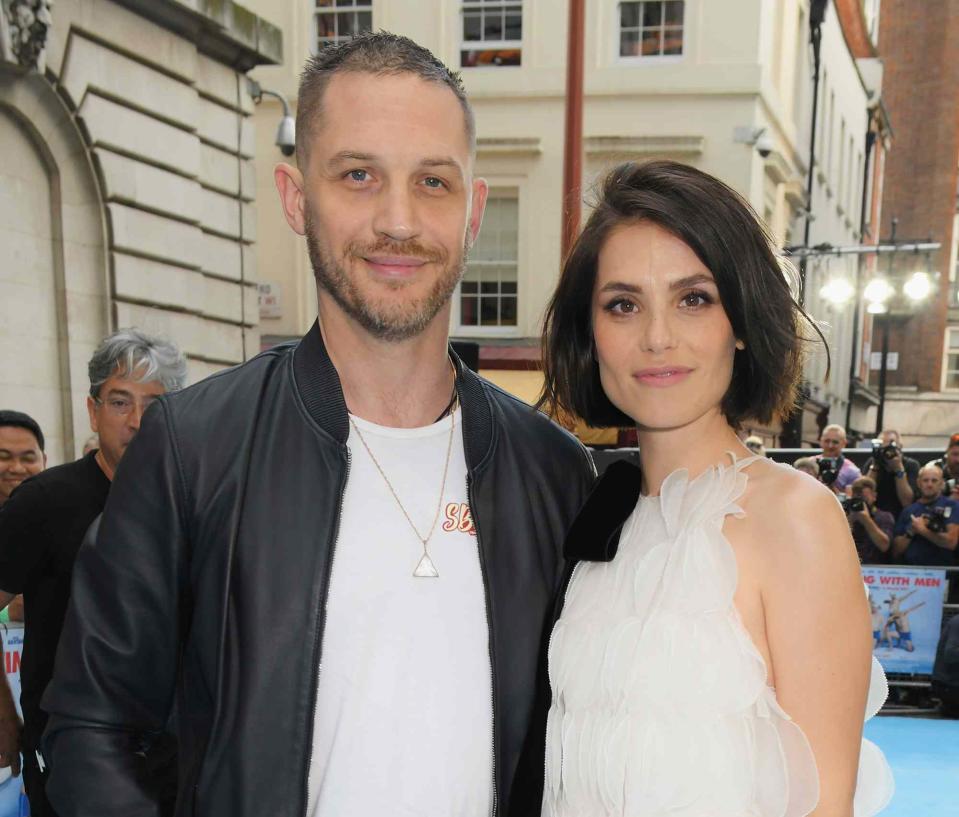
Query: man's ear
[
  {"x": 478, "y": 198},
  {"x": 92, "y": 411},
  {"x": 289, "y": 184}
]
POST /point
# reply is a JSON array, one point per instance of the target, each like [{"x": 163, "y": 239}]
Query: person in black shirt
[
  {"x": 44, "y": 521},
  {"x": 896, "y": 475},
  {"x": 871, "y": 526}
]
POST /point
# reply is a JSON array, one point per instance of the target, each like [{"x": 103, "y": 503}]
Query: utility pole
[{"x": 573, "y": 148}]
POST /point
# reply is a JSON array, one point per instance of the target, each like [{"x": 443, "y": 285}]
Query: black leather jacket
[{"x": 208, "y": 579}]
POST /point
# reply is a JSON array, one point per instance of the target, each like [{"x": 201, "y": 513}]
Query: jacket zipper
[
  {"x": 489, "y": 630},
  {"x": 318, "y": 641},
  {"x": 549, "y": 644}
]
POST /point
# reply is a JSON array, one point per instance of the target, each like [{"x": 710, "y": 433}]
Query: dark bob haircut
[{"x": 718, "y": 225}]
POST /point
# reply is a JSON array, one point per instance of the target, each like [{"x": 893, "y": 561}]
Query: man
[
  {"x": 895, "y": 474},
  {"x": 44, "y": 521},
  {"x": 21, "y": 456},
  {"x": 340, "y": 558},
  {"x": 949, "y": 463},
  {"x": 21, "y": 451},
  {"x": 871, "y": 527},
  {"x": 927, "y": 531},
  {"x": 835, "y": 470}
]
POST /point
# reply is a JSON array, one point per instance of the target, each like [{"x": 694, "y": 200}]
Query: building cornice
[{"x": 221, "y": 29}]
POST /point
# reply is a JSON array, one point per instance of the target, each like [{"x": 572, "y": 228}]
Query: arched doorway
[{"x": 53, "y": 269}]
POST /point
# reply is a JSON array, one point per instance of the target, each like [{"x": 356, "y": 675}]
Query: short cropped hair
[
  {"x": 380, "y": 54},
  {"x": 863, "y": 482},
  {"x": 719, "y": 226},
  {"x": 138, "y": 357},
  {"x": 807, "y": 462},
  {"x": 18, "y": 419}
]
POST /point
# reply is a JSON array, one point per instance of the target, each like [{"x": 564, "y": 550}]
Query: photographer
[
  {"x": 835, "y": 471},
  {"x": 928, "y": 530},
  {"x": 895, "y": 474},
  {"x": 949, "y": 463},
  {"x": 871, "y": 527}
]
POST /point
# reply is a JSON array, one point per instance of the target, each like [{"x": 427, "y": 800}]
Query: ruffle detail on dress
[{"x": 660, "y": 698}]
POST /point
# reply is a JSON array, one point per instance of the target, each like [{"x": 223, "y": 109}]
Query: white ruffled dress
[{"x": 660, "y": 700}]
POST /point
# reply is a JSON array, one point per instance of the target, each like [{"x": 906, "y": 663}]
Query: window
[
  {"x": 338, "y": 20},
  {"x": 950, "y": 373},
  {"x": 488, "y": 290},
  {"x": 492, "y": 33},
  {"x": 651, "y": 29}
]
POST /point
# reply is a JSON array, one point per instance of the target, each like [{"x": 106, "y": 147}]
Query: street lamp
[{"x": 918, "y": 287}]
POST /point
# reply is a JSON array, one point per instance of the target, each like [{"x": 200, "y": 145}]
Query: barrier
[{"x": 13, "y": 802}]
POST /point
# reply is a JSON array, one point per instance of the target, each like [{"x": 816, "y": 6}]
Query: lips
[
  {"x": 394, "y": 266},
  {"x": 662, "y": 376}
]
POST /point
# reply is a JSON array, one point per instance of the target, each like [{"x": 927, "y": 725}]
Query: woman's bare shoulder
[{"x": 794, "y": 516}]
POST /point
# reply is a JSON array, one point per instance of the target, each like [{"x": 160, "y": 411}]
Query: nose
[
  {"x": 396, "y": 216},
  {"x": 135, "y": 415},
  {"x": 658, "y": 332}
]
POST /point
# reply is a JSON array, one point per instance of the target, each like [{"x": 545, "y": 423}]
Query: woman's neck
[{"x": 695, "y": 447}]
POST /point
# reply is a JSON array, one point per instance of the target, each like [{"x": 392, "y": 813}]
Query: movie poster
[
  {"x": 13, "y": 803},
  {"x": 906, "y": 608}
]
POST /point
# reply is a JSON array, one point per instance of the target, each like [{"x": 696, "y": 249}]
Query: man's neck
[
  {"x": 107, "y": 468},
  {"x": 404, "y": 384}
]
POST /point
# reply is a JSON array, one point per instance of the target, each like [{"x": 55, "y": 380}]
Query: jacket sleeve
[{"x": 116, "y": 664}]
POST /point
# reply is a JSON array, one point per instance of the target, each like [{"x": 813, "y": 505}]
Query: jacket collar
[{"x": 318, "y": 383}]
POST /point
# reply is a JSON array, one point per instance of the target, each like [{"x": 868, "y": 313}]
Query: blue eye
[
  {"x": 358, "y": 175},
  {"x": 434, "y": 183}
]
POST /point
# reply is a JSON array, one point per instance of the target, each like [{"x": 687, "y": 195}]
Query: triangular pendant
[{"x": 426, "y": 569}]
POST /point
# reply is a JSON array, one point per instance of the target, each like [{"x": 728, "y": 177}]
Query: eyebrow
[
  {"x": 430, "y": 162},
  {"x": 119, "y": 393},
  {"x": 679, "y": 283}
]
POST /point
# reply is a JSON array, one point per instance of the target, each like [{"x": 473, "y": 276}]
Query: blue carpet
[{"x": 924, "y": 755}]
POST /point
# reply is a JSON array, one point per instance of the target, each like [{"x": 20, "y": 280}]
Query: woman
[{"x": 718, "y": 663}]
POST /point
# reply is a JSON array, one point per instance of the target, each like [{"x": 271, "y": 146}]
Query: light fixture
[
  {"x": 918, "y": 287},
  {"x": 286, "y": 131},
  {"x": 878, "y": 291},
  {"x": 837, "y": 291},
  {"x": 877, "y": 308}
]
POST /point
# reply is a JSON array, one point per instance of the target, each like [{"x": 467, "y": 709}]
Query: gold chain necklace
[{"x": 425, "y": 569}]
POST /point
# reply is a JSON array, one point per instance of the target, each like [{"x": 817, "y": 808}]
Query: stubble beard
[{"x": 390, "y": 321}]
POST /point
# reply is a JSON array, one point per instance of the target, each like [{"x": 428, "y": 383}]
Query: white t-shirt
[{"x": 404, "y": 708}]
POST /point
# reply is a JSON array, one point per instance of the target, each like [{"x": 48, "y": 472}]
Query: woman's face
[{"x": 664, "y": 345}]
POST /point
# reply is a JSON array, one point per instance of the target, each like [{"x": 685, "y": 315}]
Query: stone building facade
[
  {"x": 697, "y": 81},
  {"x": 126, "y": 190}
]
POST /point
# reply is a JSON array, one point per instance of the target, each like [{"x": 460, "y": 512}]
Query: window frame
[
  {"x": 639, "y": 59},
  {"x": 489, "y": 45},
  {"x": 316, "y": 12},
  {"x": 461, "y": 330},
  {"x": 945, "y": 359}
]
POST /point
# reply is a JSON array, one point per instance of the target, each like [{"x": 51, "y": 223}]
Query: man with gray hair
[{"x": 45, "y": 519}]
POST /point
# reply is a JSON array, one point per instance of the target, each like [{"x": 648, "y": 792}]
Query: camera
[
  {"x": 885, "y": 453},
  {"x": 828, "y": 470},
  {"x": 853, "y": 504},
  {"x": 765, "y": 145},
  {"x": 936, "y": 519}
]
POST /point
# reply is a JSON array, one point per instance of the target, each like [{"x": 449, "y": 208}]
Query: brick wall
[{"x": 921, "y": 93}]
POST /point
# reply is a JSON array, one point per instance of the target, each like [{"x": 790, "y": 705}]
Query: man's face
[
  {"x": 890, "y": 437},
  {"x": 832, "y": 443},
  {"x": 115, "y": 415},
  {"x": 930, "y": 483},
  {"x": 868, "y": 494},
  {"x": 20, "y": 458},
  {"x": 388, "y": 204},
  {"x": 952, "y": 458}
]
